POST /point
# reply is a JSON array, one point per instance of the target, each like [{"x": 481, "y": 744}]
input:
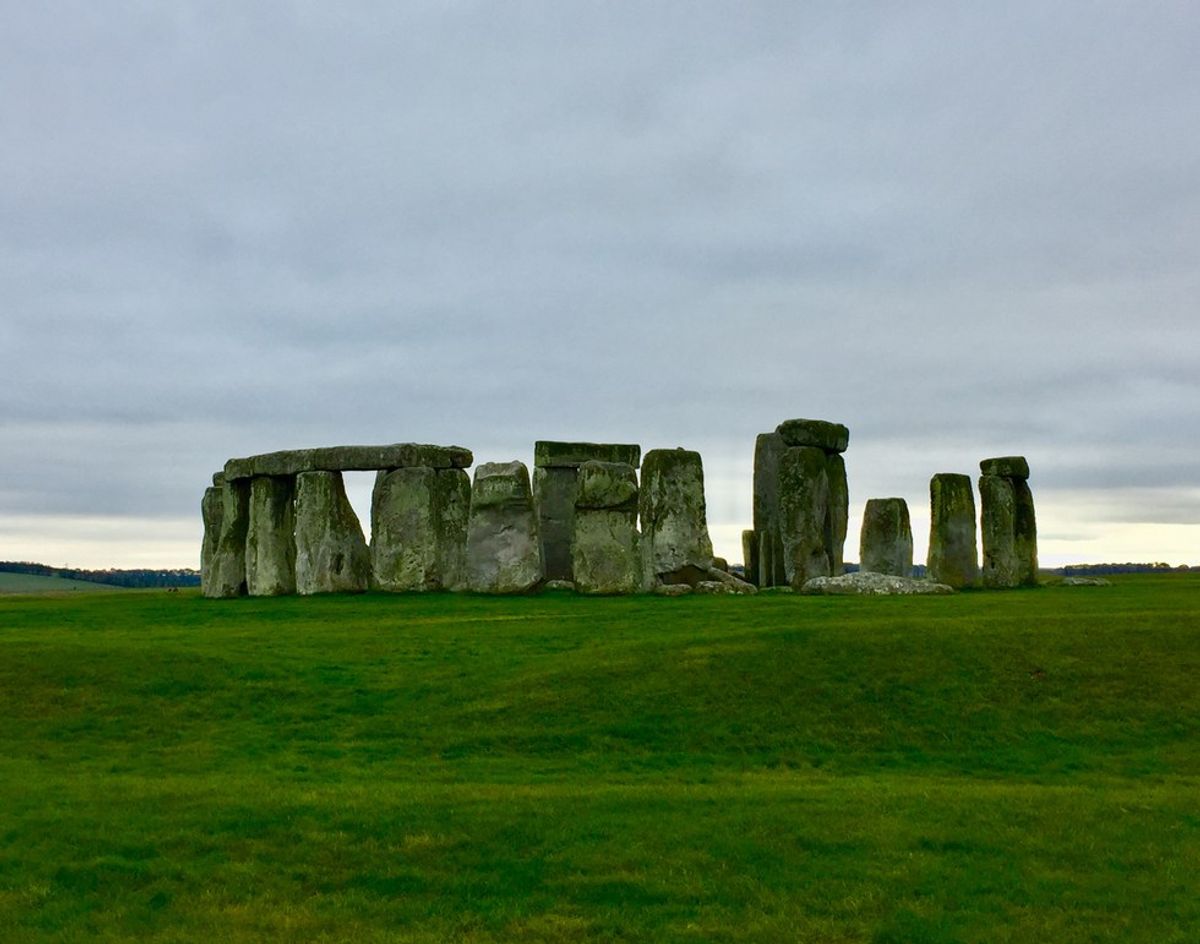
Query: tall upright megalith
[
  {"x": 1008, "y": 524},
  {"x": 504, "y": 551},
  {"x": 270, "y": 537},
  {"x": 419, "y": 528},
  {"x": 211, "y": 511},
  {"x": 227, "y": 565},
  {"x": 886, "y": 543},
  {"x": 605, "y": 555},
  {"x": 953, "y": 557},
  {"x": 801, "y": 501},
  {"x": 676, "y": 547},
  {"x": 555, "y": 479},
  {"x": 331, "y": 552}
]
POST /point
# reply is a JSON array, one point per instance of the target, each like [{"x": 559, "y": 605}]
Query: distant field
[
  {"x": 1006, "y": 767},
  {"x": 31, "y": 583}
]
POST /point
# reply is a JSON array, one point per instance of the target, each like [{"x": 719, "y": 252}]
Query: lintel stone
[
  {"x": 350, "y": 459},
  {"x": 832, "y": 437},
  {"x": 1009, "y": 467},
  {"x": 548, "y": 454}
]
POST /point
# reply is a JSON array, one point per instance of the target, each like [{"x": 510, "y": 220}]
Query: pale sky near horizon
[{"x": 962, "y": 230}]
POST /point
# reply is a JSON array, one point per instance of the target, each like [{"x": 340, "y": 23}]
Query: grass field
[
  {"x": 1011, "y": 767},
  {"x": 34, "y": 583}
]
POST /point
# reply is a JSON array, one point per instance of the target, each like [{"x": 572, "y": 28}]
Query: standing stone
[
  {"x": 750, "y": 556},
  {"x": 604, "y": 550},
  {"x": 419, "y": 528},
  {"x": 1008, "y": 523},
  {"x": 556, "y": 471},
  {"x": 953, "y": 556},
  {"x": 227, "y": 566},
  {"x": 674, "y": 521},
  {"x": 768, "y": 450},
  {"x": 998, "y": 518},
  {"x": 211, "y": 510},
  {"x": 331, "y": 553},
  {"x": 270, "y": 538},
  {"x": 886, "y": 545},
  {"x": 803, "y": 510},
  {"x": 838, "y": 514},
  {"x": 504, "y": 551},
  {"x": 1024, "y": 534}
]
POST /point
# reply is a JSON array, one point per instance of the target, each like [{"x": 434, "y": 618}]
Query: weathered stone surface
[
  {"x": 886, "y": 544},
  {"x": 721, "y": 564},
  {"x": 1001, "y": 568},
  {"x": 750, "y": 555},
  {"x": 673, "y": 513},
  {"x": 270, "y": 541},
  {"x": 953, "y": 557},
  {"x": 504, "y": 551},
  {"x": 734, "y": 583},
  {"x": 713, "y": 586},
  {"x": 831, "y": 437},
  {"x": 227, "y": 566},
  {"x": 768, "y": 450},
  {"x": 605, "y": 557},
  {"x": 218, "y": 479},
  {"x": 1084, "y": 582},
  {"x": 863, "y": 583},
  {"x": 554, "y": 499},
  {"x": 838, "y": 514},
  {"x": 331, "y": 552},
  {"x": 803, "y": 507},
  {"x": 211, "y": 510},
  {"x": 566, "y": 585},
  {"x": 548, "y": 454},
  {"x": 1009, "y": 467},
  {"x": 1024, "y": 534},
  {"x": 349, "y": 459},
  {"x": 419, "y": 529},
  {"x": 673, "y": 589},
  {"x": 606, "y": 485}
]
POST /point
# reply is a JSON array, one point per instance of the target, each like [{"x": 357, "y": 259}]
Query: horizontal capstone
[{"x": 350, "y": 459}]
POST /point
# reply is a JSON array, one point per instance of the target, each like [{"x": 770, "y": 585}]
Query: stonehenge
[
  {"x": 886, "y": 544},
  {"x": 1008, "y": 524},
  {"x": 555, "y": 477},
  {"x": 953, "y": 558},
  {"x": 281, "y": 523},
  {"x": 801, "y": 502}
]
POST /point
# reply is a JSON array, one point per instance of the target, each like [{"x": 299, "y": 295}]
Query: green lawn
[
  {"x": 35, "y": 583},
  {"x": 1018, "y": 767}
]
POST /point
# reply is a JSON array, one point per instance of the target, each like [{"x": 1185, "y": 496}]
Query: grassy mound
[{"x": 983, "y": 767}]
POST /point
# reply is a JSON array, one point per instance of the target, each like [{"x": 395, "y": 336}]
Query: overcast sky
[{"x": 964, "y": 230}]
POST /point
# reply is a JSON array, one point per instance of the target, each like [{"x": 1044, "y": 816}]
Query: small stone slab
[
  {"x": 1009, "y": 467},
  {"x": 548, "y": 454},
  {"x": 350, "y": 459},
  {"x": 863, "y": 583},
  {"x": 832, "y": 437}
]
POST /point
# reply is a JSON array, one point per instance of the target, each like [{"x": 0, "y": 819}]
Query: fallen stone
[
  {"x": 734, "y": 583},
  {"x": 1009, "y": 467},
  {"x": 863, "y": 583},
  {"x": 552, "y": 585},
  {"x": 830, "y": 437},
  {"x": 504, "y": 551},
  {"x": 713, "y": 586},
  {"x": 803, "y": 506},
  {"x": 349, "y": 459},
  {"x": 227, "y": 566},
  {"x": 953, "y": 557},
  {"x": 270, "y": 537},
  {"x": 672, "y": 589},
  {"x": 419, "y": 529},
  {"x": 548, "y": 454},
  {"x": 331, "y": 552},
  {"x": 605, "y": 556},
  {"x": 886, "y": 544},
  {"x": 720, "y": 563},
  {"x": 1084, "y": 582},
  {"x": 673, "y": 512}
]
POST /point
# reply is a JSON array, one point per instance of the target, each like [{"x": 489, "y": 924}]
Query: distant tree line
[
  {"x": 1072, "y": 570},
  {"x": 177, "y": 577}
]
